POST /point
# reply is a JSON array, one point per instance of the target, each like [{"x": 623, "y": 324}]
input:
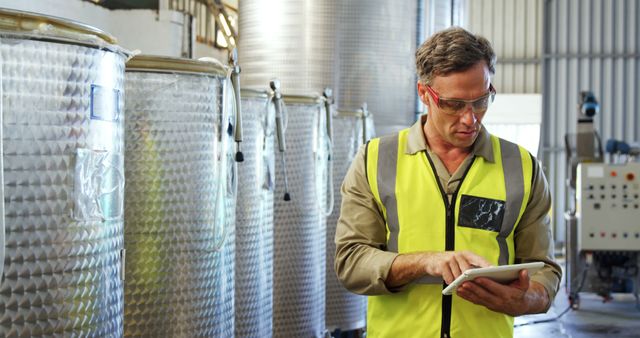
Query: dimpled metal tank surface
[
  {"x": 62, "y": 144},
  {"x": 344, "y": 310},
  {"x": 299, "y": 226},
  {"x": 254, "y": 228},
  {"x": 173, "y": 209},
  {"x": 226, "y": 255}
]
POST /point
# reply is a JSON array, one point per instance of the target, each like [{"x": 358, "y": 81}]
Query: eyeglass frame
[{"x": 436, "y": 98}]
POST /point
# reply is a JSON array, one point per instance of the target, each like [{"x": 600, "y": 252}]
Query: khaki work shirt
[{"x": 361, "y": 262}]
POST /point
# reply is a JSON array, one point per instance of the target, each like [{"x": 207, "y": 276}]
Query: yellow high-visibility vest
[{"x": 482, "y": 216}]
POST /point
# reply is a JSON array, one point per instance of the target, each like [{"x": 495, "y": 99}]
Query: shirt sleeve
[
  {"x": 361, "y": 262},
  {"x": 533, "y": 238}
]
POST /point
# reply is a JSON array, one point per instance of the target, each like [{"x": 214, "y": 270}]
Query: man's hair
[{"x": 452, "y": 50}]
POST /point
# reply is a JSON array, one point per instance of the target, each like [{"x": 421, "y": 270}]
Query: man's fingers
[
  {"x": 481, "y": 293},
  {"x": 476, "y": 260},
  {"x": 465, "y": 293},
  {"x": 447, "y": 275},
  {"x": 455, "y": 268},
  {"x": 490, "y": 286},
  {"x": 523, "y": 280},
  {"x": 480, "y": 262},
  {"x": 464, "y": 263}
]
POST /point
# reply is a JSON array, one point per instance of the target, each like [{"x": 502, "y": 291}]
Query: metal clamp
[
  {"x": 364, "y": 116},
  {"x": 123, "y": 263},
  {"x": 328, "y": 101},
  {"x": 280, "y": 130},
  {"x": 235, "y": 82}
]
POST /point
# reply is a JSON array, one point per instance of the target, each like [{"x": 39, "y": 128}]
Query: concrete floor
[{"x": 618, "y": 318}]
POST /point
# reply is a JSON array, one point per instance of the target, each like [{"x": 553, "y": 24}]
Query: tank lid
[
  {"x": 302, "y": 98},
  {"x": 288, "y": 98},
  {"x": 349, "y": 113},
  {"x": 15, "y": 21},
  {"x": 165, "y": 64},
  {"x": 254, "y": 93},
  {"x": 294, "y": 97}
]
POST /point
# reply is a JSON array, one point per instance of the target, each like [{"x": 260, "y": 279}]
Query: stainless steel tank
[
  {"x": 376, "y": 61},
  {"x": 351, "y": 129},
  {"x": 363, "y": 49},
  {"x": 226, "y": 255},
  {"x": 224, "y": 296},
  {"x": 292, "y": 40},
  {"x": 300, "y": 224},
  {"x": 175, "y": 215},
  {"x": 254, "y": 227},
  {"x": 62, "y": 143}
]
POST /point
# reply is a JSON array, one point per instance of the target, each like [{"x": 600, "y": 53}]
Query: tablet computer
[{"x": 501, "y": 274}]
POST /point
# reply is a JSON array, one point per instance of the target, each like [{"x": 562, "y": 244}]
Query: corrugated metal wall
[
  {"x": 514, "y": 27},
  {"x": 589, "y": 45}
]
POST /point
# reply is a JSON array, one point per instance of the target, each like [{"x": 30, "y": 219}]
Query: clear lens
[
  {"x": 452, "y": 106},
  {"x": 455, "y": 107},
  {"x": 481, "y": 104}
]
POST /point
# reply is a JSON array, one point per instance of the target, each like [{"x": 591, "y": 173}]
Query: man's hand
[
  {"x": 517, "y": 298},
  {"x": 448, "y": 265},
  {"x": 451, "y": 264}
]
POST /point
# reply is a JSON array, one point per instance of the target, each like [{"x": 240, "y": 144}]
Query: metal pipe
[
  {"x": 328, "y": 100},
  {"x": 123, "y": 261},
  {"x": 365, "y": 115},
  {"x": 350, "y": 113},
  {"x": 188, "y": 35},
  {"x": 302, "y": 99},
  {"x": 254, "y": 93},
  {"x": 545, "y": 143},
  {"x": 289, "y": 98},
  {"x": 235, "y": 81},
  {"x": 282, "y": 146}
]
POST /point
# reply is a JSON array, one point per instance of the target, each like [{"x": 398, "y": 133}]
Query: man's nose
[{"x": 468, "y": 117}]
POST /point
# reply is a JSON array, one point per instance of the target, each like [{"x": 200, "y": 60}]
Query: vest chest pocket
[{"x": 481, "y": 213}]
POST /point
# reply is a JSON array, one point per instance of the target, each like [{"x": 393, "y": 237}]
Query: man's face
[{"x": 453, "y": 123}]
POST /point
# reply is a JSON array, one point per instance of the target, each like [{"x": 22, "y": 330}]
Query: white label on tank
[
  {"x": 595, "y": 171},
  {"x": 105, "y": 103}
]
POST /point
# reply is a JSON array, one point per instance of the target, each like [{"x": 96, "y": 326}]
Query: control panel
[{"x": 608, "y": 206}]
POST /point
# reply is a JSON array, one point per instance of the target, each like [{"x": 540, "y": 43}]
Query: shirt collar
[{"x": 416, "y": 141}]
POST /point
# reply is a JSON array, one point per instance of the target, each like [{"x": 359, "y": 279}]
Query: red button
[
  {"x": 631, "y": 176},
  {"x": 614, "y": 173}
]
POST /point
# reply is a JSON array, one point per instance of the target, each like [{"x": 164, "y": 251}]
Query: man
[{"x": 423, "y": 205}]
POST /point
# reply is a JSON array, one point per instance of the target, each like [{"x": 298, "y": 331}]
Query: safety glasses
[{"x": 456, "y": 107}]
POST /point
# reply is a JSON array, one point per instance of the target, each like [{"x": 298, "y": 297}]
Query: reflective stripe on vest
[
  {"x": 389, "y": 149},
  {"x": 514, "y": 185},
  {"x": 405, "y": 186}
]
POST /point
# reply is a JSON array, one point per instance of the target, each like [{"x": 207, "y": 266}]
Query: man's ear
[{"x": 422, "y": 92}]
